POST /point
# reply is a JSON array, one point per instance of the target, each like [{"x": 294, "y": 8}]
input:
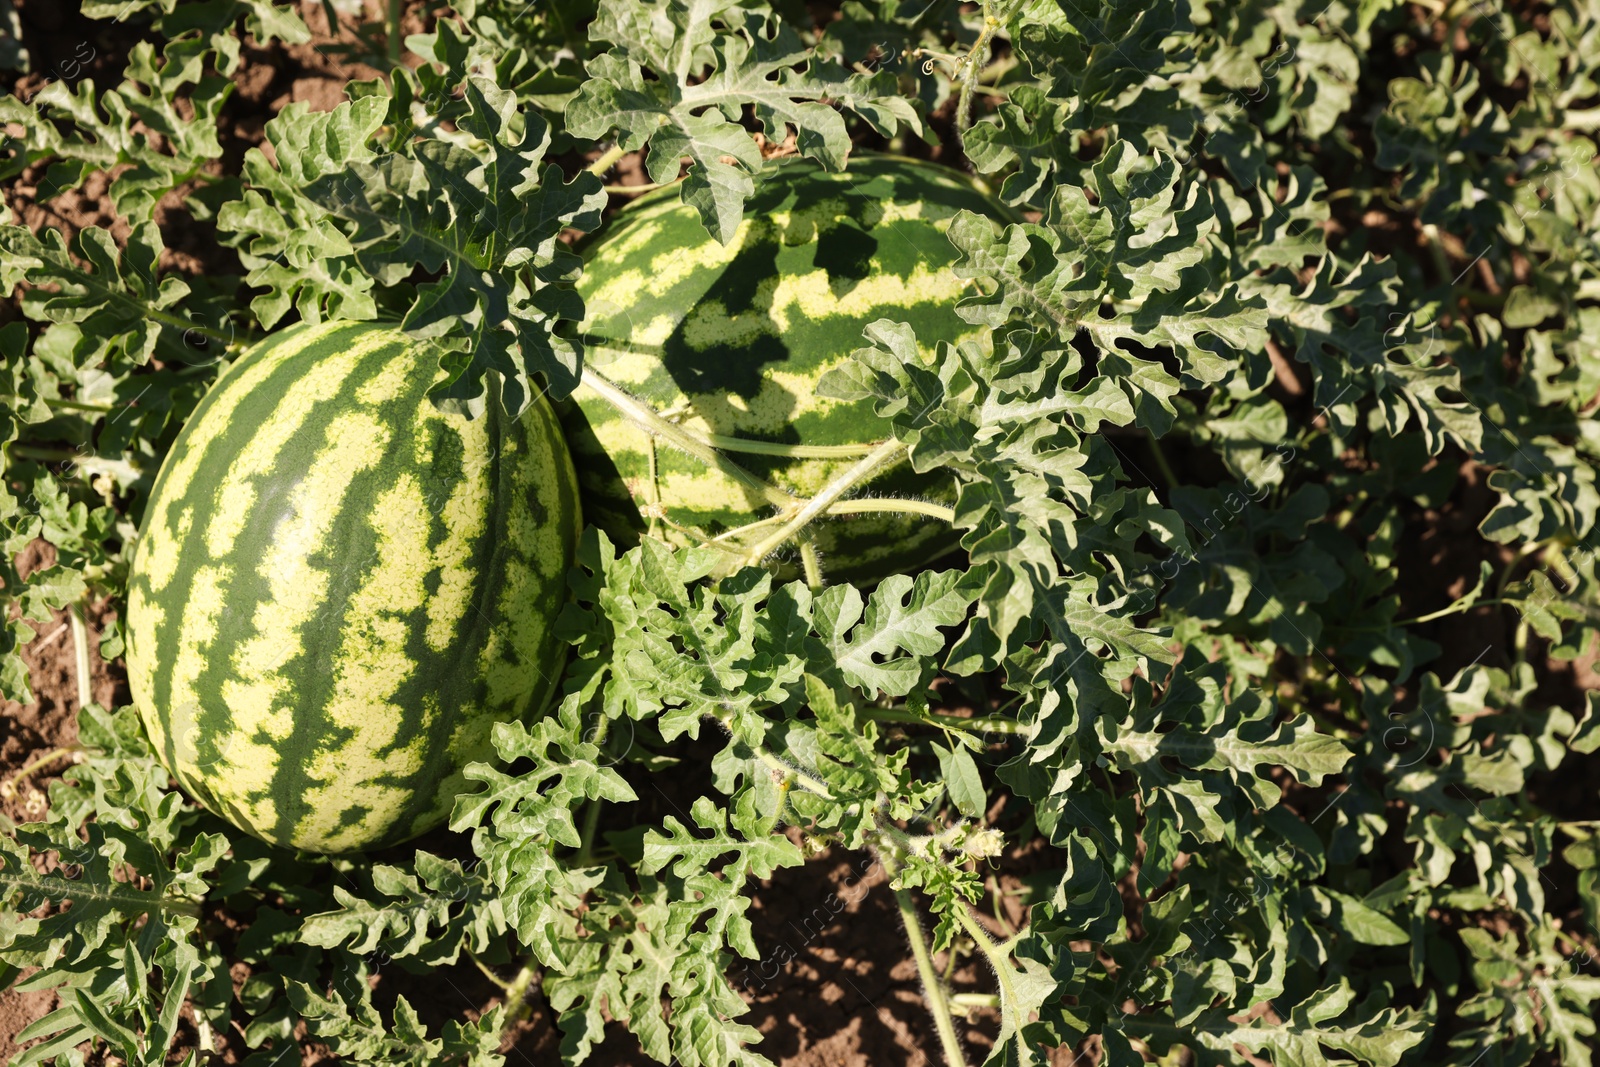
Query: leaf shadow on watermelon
[
  {"x": 607, "y": 503},
  {"x": 843, "y": 252}
]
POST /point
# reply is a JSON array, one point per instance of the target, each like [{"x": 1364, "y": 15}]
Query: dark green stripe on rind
[
  {"x": 188, "y": 555},
  {"x": 409, "y": 674},
  {"x": 348, "y": 556},
  {"x": 734, "y": 339}
]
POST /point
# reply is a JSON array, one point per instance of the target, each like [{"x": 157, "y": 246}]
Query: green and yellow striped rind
[
  {"x": 732, "y": 340},
  {"x": 338, "y": 590}
]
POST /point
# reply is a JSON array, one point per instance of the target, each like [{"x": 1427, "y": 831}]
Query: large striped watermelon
[
  {"x": 730, "y": 341},
  {"x": 338, "y": 590}
]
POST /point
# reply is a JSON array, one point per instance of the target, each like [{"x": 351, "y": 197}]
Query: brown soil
[
  {"x": 18, "y": 1010},
  {"x": 67, "y": 47},
  {"x": 28, "y": 732}
]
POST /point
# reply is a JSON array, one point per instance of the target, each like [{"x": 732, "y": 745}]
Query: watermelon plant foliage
[{"x": 1275, "y": 451}]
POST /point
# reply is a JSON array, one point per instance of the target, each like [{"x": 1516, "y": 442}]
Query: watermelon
[
  {"x": 338, "y": 590},
  {"x": 729, "y": 342}
]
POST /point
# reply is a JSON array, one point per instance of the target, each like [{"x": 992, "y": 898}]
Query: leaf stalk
[
  {"x": 985, "y": 725},
  {"x": 932, "y": 985},
  {"x": 80, "y": 648},
  {"x": 36, "y": 764},
  {"x": 607, "y": 159}
]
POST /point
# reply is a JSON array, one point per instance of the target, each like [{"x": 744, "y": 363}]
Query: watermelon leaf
[
  {"x": 415, "y": 915},
  {"x": 122, "y": 309},
  {"x": 902, "y": 616},
  {"x": 488, "y": 227},
  {"x": 709, "y": 61},
  {"x": 288, "y": 243}
]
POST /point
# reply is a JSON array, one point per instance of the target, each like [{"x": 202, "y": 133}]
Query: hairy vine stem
[
  {"x": 998, "y": 957},
  {"x": 517, "y": 994},
  {"x": 162, "y": 317},
  {"x": 932, "y": 983},
  {"x": 970, "y": 68},
  {"x": 65, "y": 405},
  {"x": 813, "y": 568},
  {"x": 1454, "y": 608},
  {"x": 395, "y": 13},
  {"x": 862, "y": 506},
  {"x": 1162, "y": 464},
  {"x": 938, "y": 1003},
  {"x": 793, "y": 774},
  {"x": 645, "y": 418},
  {"x": 975, "y": 1000},
  {"x": 776, "y": 448},
  {"x": 794, "y": 513},
  {"x": 868, "y": 505},
  {"x": 487, "y": 973},
  {"x": 591, "y": 813},
  {"x": 885, "y": 454},
  {"x": 76, "y": 752},
  {"x": 984, "y": 725},
  {"x": 636, "y": 190}
]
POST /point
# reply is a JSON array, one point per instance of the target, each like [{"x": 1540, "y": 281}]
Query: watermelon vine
[{"x": 1120, "y": 478}]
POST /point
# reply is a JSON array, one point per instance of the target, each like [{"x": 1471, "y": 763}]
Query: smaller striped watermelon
[
  {"x": 729, "y": 341},
  {"x": 338, "y": 590}
]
